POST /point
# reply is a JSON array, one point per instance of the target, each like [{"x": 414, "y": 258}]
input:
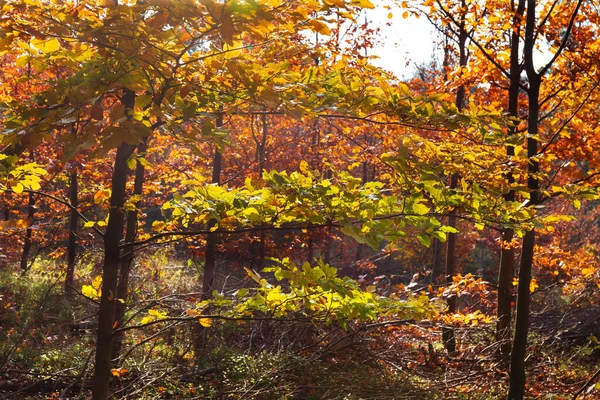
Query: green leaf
[
  {"x": 420, "y": 209},
  {"x": 425, "y": 240}
]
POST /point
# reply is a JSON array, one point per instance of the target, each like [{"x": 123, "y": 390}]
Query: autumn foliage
[{"x": 227, "y": 199}]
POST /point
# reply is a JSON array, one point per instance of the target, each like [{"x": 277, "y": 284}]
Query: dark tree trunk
[
  {"x": 6, "y": 208},
  {"x": 436, "y": 264},
  {"x": 127, "y": 260},
  {"x": 448, "y": 335},
  {"x": 516, "y": 390},
  {"x": 73, "y": 226},
  {"x": 110, "y": 267},
  {"x": 506, "y": 271},
  {"x": 261, "y": 169},
  {"x": 310, "y": 247},
  {"x": 28, "y": 233},
  {"x": 211, "y": 238},
  {"x": 210, "y": 260}
]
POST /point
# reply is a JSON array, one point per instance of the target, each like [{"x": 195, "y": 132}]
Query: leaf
[
  {"x": 253, "y": 274},
  {"x": 424, "y": 240},
  {"x": 320, "y": 27},
  {"x": 533, "y": 285},
  {"x": 47, "y": 46},
  {"x": 101, "y": 196},
  {"x": 97, "y": 112},
  {"x": 18, "y": 188},
  {"x": 420, "y": 209},
  {"x": 205, "y": 322},
  {"x": 118, "y": 372},
  {"x": 158, "y": 225},
  {"x": 227, "y": 28},
  {"x": 89, "y": 291}
]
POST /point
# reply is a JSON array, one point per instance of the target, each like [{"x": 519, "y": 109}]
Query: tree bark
[
  {"x": 110, "y": 267},
  {"x": 127, "y": 260},
  {"x": 448, "y": 335},
  {"x": 506, "y": 270},
  {"x": 261, "y": 170},
  {"x": 516, "y": 390},
  {"x": 210, "y": 260},
  {"x": 28, "y": 233},
  {"x": 73, "y": 226}
]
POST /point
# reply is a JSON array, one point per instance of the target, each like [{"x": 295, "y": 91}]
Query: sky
[{"x": 407, "y": 42}]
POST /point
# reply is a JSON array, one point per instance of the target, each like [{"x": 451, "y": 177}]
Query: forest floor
[{"x": 47, "y": 343}]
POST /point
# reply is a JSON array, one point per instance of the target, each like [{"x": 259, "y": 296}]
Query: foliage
[{"x": 310, "y": 191}]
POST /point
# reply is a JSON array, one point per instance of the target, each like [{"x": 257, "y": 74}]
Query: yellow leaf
[
  {"x": 390, "y": 15},
  {"x": 118, "y": 372},
  {"x": 533, "y": 286},
  {"x": 304, "y": 167},
  {"x": 47, "y": 46},
  {"x": 101, "y": 196},
  {"x": 205, "y": 322},
  {"x": 97, "y": 282},
  {"x": 18, "y": 188},
  {"x": 320, "y": 27},
  {"x": 158, "y": 225},
  {"x": 51, "y": 46},
  {"x": 89, "y": 291},
  {"x": 365, "y": 4}
]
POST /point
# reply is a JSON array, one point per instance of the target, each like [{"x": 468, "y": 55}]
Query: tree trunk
[
  {"x": 261, "y": 169},
  {"x": 436, "y": 264},
  {"x": 110, "y": 267},
  {"x": 210, "y": 260},
  {"x": 448, "y": 336},
  {"x": 516, "y": 389},
  {"x": 506, "y": 270},
  {"x": 127, "y": 260},
  {"x": 73, "y": 226},
  {"x": 28, "y": 233}
]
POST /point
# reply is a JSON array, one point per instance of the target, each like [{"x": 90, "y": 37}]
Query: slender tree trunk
[
  {"x": 211, "y": 238},
  {"x": 310, "y": 247},
  {"x": 210, "y": 260},
  {"x": 73, "y": 226},
  {"x": 28, "y": 233},
  {"x": 110, "y": 267},
  {"x": 506, "y": 270},
  {"x": 261, "y": 169},
  {"x": 436, "y": 265},
  {"x": 127, "y": 260},
  {"x": 448, "y": 335},
  {"x": 516, "y": 389},
  {"x": 6, "y": 208}
]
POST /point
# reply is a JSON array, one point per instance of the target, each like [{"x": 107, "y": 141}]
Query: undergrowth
[{"x": 43, "y": 356}]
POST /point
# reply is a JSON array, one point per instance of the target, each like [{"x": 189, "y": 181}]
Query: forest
[{"x": 228, "y": 199}]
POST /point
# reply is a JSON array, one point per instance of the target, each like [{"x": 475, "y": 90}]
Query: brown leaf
[
  {"x": 227, "y": 28},
  {"x": 97, "y": 113}
]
